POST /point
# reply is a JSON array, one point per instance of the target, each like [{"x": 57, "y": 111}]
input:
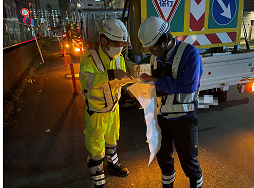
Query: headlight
[
  {"x": 77, "y": 49},
  {"x": 67, "y": 45}
]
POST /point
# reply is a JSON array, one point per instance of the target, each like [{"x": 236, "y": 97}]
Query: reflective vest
[
  {"x": 109, "y": 99},
  {"x": 176, "y": 105}
]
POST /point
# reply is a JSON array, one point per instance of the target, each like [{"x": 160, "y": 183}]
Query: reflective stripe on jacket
[
  {"x": 180, "y": 91},
  {"x": 100, "y": 95}
]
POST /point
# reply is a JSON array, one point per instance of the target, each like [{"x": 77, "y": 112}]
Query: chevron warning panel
[
  {"x": 207, "y": 39},
  {"x": 197, "y": 15}
]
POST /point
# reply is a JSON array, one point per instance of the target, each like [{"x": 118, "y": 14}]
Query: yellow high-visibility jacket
[{"x": 98, "y": 93}]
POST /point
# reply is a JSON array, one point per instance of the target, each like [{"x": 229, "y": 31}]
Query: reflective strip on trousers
[
  {"x": 97, "y": 168},
  {"x": 99, "y": 177},
  {"x": 199, "y": 182},
  {"x": 113, "y": 159},
  {"x": 168, "y": 179},
  {"x": 101, "y": 182}
]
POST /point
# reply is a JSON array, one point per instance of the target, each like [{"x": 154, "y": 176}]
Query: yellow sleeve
[{"x": 89, "y": 75}]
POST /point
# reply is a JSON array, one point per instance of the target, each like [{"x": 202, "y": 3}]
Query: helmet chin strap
[
  {"x": 169, "y": 38},
  {"x": 162, "y": 51}
]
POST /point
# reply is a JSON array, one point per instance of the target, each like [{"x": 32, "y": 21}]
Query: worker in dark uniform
[{"x": 176, "y": 69}]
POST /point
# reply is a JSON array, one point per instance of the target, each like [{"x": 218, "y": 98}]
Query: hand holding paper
[
  {"x": 146, "y": 78},
  {"x": 120, "y": 74}
]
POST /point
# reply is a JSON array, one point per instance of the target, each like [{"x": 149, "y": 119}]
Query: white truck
[{"x": 213, "y": 26}]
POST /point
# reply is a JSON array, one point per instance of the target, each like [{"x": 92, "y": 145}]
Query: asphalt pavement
[{"x": 44, "y": 144}]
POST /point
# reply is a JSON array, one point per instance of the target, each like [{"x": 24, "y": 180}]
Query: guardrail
[{"x": 16, "y": 33}]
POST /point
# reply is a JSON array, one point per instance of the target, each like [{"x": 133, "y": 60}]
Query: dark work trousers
[{"x": 183, "y": 134}]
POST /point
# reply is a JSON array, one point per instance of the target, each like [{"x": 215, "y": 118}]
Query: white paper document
[
  {"x": 124, "y": 81},
  {"x": 146, "y": 95}
]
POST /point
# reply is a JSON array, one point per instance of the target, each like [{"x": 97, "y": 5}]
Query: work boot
[
  {"x": 112, "y": 159},
  {"x": 100, "y": 186},
  {"x": 118, "y": 168},
  {"x": 168, "y": 185}
]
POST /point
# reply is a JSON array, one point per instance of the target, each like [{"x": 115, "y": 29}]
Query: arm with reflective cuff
[{"x": 189, "y": 74}]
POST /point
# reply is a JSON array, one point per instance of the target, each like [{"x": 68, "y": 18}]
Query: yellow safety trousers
[{"x": 101, "y": 128}]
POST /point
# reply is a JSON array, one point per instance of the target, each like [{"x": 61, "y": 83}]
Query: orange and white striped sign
[{"x": 208, "y": 39}]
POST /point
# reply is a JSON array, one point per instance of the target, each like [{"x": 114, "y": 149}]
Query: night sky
[{"x": 53, "y": 3}]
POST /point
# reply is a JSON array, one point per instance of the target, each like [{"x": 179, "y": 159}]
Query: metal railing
[{"x": 16, "y": 33}]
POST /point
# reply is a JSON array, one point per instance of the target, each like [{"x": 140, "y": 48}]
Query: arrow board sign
[
  {"x": 166, "y": 8},
  {"x": 223, "y": 11}
]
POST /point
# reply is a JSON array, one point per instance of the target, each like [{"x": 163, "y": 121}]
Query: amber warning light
[
  {"x": 246, "y": 87},
  {"x": 77, "y": 49}
]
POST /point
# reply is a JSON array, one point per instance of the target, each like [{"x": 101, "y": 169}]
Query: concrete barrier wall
[{"x": 16, "y": 61}]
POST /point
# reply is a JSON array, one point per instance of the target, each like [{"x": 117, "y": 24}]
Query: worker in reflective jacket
[
  {"x": 176, "y": 69},
  {"x": 97, "y": 68}
]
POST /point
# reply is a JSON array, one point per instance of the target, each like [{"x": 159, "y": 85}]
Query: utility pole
[
  {"x": 67, "y": 16},
  {"x": 105, "y": 3}
]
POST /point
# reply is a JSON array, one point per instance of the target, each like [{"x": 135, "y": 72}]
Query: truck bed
[
  {"x": 225, "y": 70},
  {"x": 220, "y": 71}
]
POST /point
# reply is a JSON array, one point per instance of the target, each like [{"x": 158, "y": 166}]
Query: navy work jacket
[{"x": 189, "y": 72}]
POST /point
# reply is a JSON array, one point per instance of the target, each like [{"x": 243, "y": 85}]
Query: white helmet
[
  {"x": 115, "y": 30},
  {"x": 151, "y": 30}
]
